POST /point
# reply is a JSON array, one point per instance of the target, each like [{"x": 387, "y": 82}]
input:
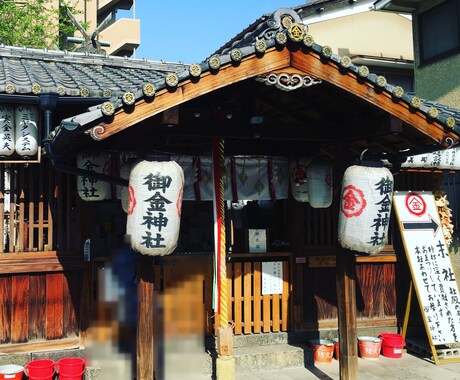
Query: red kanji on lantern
[{"x": 353, "y": 202}]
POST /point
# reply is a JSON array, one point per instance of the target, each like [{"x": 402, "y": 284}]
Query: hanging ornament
[
  {"x": 365, "y": 208},
  {"x": 89, "y": 188},
  {"x": 319, "y": 184},
  {"x": 26, "y": 133},
  {"x": 6, "y": 130},
  {"x": 154, "y": 207},
  {"x": 298, "y": 178}
]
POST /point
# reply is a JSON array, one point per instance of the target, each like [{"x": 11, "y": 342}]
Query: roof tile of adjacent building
[{"x": 30, "y": 71}]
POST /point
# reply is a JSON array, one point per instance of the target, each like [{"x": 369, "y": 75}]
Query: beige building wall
[
  {"x": 439, "y": 80},
  {"x": 373, "y": 34}
]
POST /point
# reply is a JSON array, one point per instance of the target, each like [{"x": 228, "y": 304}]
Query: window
[{"x": 439, "y": 31}]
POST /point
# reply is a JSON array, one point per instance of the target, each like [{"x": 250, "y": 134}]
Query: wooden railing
[{"x": 249, "y": 309}]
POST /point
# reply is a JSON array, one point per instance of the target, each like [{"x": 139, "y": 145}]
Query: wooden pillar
[
  {"x": 346, "y": 282},
  {"x": 145, "y": 343}
]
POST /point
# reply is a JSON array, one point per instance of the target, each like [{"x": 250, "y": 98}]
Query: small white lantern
[
  {"x": 6, "y": 130},
  {"x": 319, "y": 184},
  {"x": 89, "y": 188},
  {"x": 154, "y": 207},
  {"x": 26, "y": 134},
  {"x": 298, "y": 178},
  {"x": 448, "y": 159},
  {"x": 365, "y": 208}
]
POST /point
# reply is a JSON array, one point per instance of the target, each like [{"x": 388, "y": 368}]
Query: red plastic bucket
[
  {"x": 11, "y": 372},
  {"x": 336, "y": 348},
  {"x": 42, "y": 369},
  {"x": 392, "y": 345},
  {"x": 369, "y": 347},
  {"x": 323, "y": 350},
  {"x": 71, "y": 368}
]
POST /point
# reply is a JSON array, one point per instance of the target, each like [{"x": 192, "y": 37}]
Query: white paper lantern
[
  {"x": 448, "y": 159},
  {"x": 89, "y": 188},
  {"x": 154, "y": 207},
  {"x": 319, "y": 184},
  {"x": 26, "y": 134},
  {"x": 298, "y": 178},
  {"x": 123, "y": 190},
  {"x": 6, "y": 130},
  {"x": 365, "y": 208}
]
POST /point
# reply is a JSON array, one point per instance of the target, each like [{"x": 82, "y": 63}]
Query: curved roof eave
[{"x": 282, "y": 44}]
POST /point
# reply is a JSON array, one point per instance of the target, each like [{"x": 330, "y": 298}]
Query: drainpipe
[{"x": 48, "y": 103}]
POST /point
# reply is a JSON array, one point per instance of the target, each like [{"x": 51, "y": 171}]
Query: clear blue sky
[{"x": 190, "y": 31}]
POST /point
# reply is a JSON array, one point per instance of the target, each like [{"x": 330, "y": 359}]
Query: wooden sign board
[{"x": 430, "y": 265}]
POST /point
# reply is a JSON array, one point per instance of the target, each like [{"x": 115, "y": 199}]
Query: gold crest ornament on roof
[
  {"x": 398, "y": 92},
  {"x": 450, "y": 122},
  {"x": 10, "y": 89},
  {"x": 36, "y": 88},
  {"x": 281, "y": 38},
  {"x": 172, "y": 80},
  {"x": 128, "y": 98},
  {"x": 345, "y": 62},
  {"x": 363, "y": 71},
  {"x": 195, "y": 70},
  {"x": 61, "y": 90},
  {"x": 415, "y": 102},
  {"x": 326, "y": 51},
  {"x": 107, "y": 108},
  {"x": 296, "y": 32},
  {"x": 261, "y": 46},
  {"x": 236, "y": 55},
  {"x": 107, "y": 93},
  {"x": 148, "y": 89},
  {"x": 381, "y": 81},
  {"x": 433, "y": 112},
  {"x": 214, "y": 62},
  {"x": 286, "y": 21},
  {"x": 84, "y": 92},
  {"x": 308, "y": 40}
]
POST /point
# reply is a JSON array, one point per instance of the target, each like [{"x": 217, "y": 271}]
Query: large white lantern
[
  {"x": 298, "y": 178},
  {"x": 365, "y": 208},
  {"x": 89, "y": 188},
  {"x": 6, "y": 130},
  {"x": 319, "y": 184},
  {"x": 154, "y": 207},
  {"x": 26, "y": 134}
]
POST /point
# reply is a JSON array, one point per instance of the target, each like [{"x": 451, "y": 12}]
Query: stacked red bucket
[
  {"x": 392, "y": 345},
  {"x": 45, "y": 369}
]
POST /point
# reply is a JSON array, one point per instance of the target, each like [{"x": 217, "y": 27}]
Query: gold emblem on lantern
[
  {"x": 286, "y": 21},
  {"x": 214, "y": 62},
  {"x": 236, "y": 55},
  {"x": 450, "y": 122},
  {"x": 36, "y": 88},
  {"x": 415, "y": 102},
  {"x": 9, "y": 88},
  {"x": 261, "y": 46},
  {"x": 195, "y": 70},
  {"x": 148, "y": 89},
  {"x": 296, "y": 32},
  {"x": 107, "y": 108},
  {"x": 84, "y": 92},
  {"x": 172, "y": 80},
  {"x": 128, "y": 98},
  {"x": 107, "y": 93},
  {"x": 281, "y": 38}
]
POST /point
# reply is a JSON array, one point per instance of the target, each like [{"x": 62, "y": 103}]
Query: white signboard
[
  {"x": 430, "y": 265},
  {"x": 272, "y": 277},
  {"x": 257, "y": 241}
]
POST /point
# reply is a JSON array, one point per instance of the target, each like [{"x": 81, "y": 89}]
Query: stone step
[{"x": 267, "y": 357}]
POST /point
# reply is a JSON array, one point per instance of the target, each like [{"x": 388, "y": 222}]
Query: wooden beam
[
  {"x": 145, "y": 344},
  {"x": 165, "y": 99},
  {"x": 312, "y": 64}
]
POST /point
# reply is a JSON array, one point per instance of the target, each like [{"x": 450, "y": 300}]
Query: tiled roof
[
  {"x": 31, "y": 71},
  {"x": 126, "y": 81}
]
